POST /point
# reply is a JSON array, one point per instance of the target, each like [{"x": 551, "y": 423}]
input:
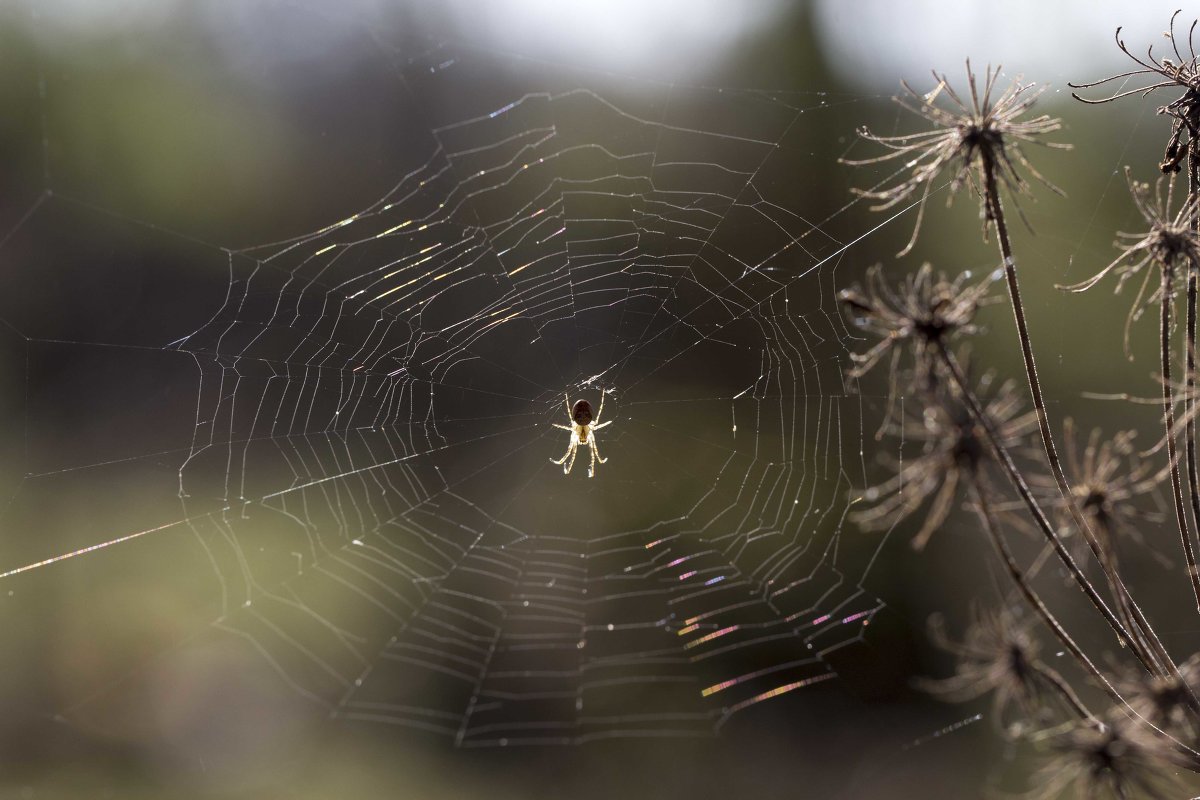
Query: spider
[{"x": 583, "y": 427}]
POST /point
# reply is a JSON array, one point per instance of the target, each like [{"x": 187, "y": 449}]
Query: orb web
[{"x": 343, "y": 439}]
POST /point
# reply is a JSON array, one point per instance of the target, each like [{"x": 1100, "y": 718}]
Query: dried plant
[
  {"x": 978, "y": 139},
  {"x": 1179, "y": 73},
  {"x": 1169, "y": 243},
  {"x": 999, "y": 655},
  {"x": 1121, "y": 760},
  {"x": 922, "y": 313},
  {"x": 1108, "y": 477},
  {"x": 968, "y": 434},
  {"x": 1165, "y": 73},
  {"x": 953, "y": 452},
  {"x": 1164, "y": 702},
  {"x": 985, "y": 139}
]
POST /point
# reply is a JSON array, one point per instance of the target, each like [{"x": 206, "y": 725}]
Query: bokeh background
[{"x": 149, "y": 139}]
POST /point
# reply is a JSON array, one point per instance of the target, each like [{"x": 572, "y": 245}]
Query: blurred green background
[{"x": 172, "y": 132}]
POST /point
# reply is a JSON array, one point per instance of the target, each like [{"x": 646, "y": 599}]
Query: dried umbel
[
  {"x": 1165, "y": 73},
  {"x": 1166, "y": 701},
  {"x": 1107, "y": 478},
  {"x": 983, "y": 132},
  {"x": 998, "y": 656},
  {"x": 967, "y": 437},
  {"x": 954, "y": 449},
  {"x": 1169, "y": 243},
  {"x": 1122, "y": 759},
  {"x": 921, "y": 313}
]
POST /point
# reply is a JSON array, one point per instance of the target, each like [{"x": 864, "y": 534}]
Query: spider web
[{"x": 340, "y": 443}]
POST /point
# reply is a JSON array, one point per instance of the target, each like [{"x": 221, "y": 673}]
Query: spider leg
[
  {"x": 592, "y": 465},
  {"x": 601, "y": 425},
  {"x": 567, "y": 398},
  {"x": 567, "y": 468},
  {"x": 570, "y": 451},
  {"x": 596, "y": 453},
  {"x": 561, "y": 427},
  {"x": 600, "y": 411}
]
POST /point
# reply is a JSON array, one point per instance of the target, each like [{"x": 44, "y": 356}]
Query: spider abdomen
[{"x": 581, "y": 412}]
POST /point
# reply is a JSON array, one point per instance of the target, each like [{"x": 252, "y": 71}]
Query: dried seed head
[
  {"x": 968, "y": 137},
  {"x": 1122, "y": 759},
  {"x": 1107, "y": 478},
  {"x": 919, "y": 314},
  {"x": 1166, "y": 73},
  {"x": 998, "y": 655},
  {"x": 1170, "y": 243},
  {"x": 954, "y": 450},
  {"x": 1165, "y": 701}
]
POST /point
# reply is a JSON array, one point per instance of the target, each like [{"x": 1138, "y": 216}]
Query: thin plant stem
[
  {"x": 1157, "y": 660},
  {"x": 1190, "y": 374},
  {"x": 1148, "y": 658},
  {"x": 1169, "y": 423},
  {"x": 1031, "y": 503},
  {"x": 1133, "y": 621},
  {"x": 1188, "y": 400},
  {"x": 1035, "y": 602},
  {"x": 1072, "y": 699},
  {"x": 995, "y": 213},
  {"x": 1047, "y": 616}
]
